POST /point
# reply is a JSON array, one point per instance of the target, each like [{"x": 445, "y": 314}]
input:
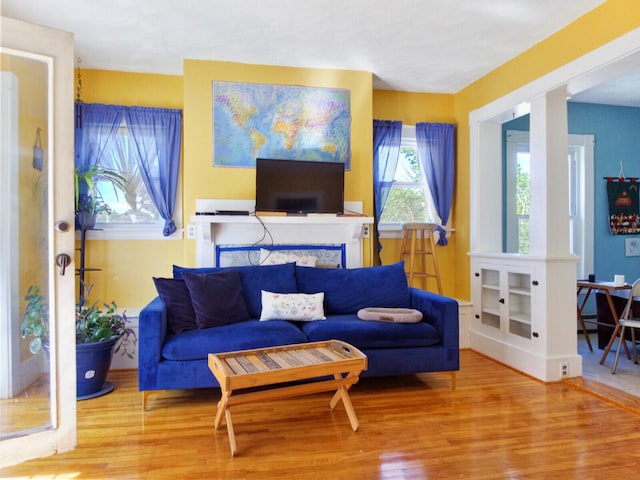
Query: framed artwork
[
  {"x": 632, "y": 247},
  {"x": 252, "y": 120}
]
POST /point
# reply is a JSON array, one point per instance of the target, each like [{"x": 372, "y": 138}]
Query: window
[
  {"x": 409, "y": 198},
  {"x": 132, "y": 205},
  {"x": 143, "y": 145},
  {"x": 517, "y": 196}
]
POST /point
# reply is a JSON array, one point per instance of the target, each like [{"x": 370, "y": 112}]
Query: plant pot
[
  {"x": 93, "y": 361},
  {"x": 85, "y": 220}
]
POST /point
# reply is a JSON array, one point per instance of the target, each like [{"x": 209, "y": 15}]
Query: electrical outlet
[
  {"x": 365, "y": 231},
  {"x": 564, "y": 369},
  {"x": 191, "y": 231}
]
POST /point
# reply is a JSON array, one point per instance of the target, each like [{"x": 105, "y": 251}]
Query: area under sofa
[{"x": 170, "y": 360}]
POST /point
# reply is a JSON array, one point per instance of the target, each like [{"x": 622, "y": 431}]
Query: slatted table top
[{"x": 264, "y": 366}]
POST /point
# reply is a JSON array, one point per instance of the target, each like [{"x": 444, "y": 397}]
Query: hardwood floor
[{"x": 497, "y": 424}]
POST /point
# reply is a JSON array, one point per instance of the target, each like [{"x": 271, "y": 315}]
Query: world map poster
[{"x": 252, "y": 120}]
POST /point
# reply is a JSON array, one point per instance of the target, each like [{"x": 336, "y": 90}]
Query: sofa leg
[
  {"x": 145, "y": 397},
  {"x": 453, "y": 380}
]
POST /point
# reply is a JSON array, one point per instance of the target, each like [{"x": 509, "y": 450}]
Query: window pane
[
  {"x": 405, "y": 205},
  {"x": 133, "y": 204},
  {"x": 523, "y": 234},
  {"x": 408, "y": 169},
  {"x": 409, "y": 198}
]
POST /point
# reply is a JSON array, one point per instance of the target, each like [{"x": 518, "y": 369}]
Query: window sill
[
  {"x": 130, "y": 232},
  {"x": 394, "y": 230}
]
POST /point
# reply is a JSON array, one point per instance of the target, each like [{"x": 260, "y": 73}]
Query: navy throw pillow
[
  {"x": 175, "y": 295},
  {"x": 216, "y": 298},
  {"x": 347, "y": 290},
  {"x": 272, "y": 278}
]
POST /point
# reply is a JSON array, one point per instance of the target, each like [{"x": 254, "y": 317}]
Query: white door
[{"x": 37, "y": 390}]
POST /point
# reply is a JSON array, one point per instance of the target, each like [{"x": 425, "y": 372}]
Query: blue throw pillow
[
  {"x": 254, "y": 279},
  {"x": 175, "y": 295},
  {"x": 216, "y": 298},
  {"x": 349, "y": 290}
]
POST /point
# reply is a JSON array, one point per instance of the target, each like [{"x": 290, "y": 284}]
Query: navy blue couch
[{"x": 179, "y": 361}]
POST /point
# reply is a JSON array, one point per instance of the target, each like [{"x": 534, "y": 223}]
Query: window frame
[
  {"x": 394, "y": 229},
  {"x": 141, "y": 231},
  {"x": 581, "y": 188}
]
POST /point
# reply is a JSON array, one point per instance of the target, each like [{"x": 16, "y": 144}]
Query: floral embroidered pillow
[{"x": 303, "y": 307}]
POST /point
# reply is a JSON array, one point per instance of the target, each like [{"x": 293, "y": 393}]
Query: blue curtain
[
  {"x": 156, "y": 135},
  {"x": 156, "y": 138},
  {"x": 387, "y": 135},
  {"x": 95, "y": 132},
  {"x": 435, "y": 142}
]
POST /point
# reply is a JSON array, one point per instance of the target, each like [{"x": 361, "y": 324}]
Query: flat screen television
[{"x": 299, "y": 187}]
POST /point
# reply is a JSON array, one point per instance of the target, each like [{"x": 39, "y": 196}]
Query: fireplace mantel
[{"x": 214, "y": 231}]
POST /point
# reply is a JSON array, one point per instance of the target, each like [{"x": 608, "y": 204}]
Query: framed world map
[{"x": 252, "y": 120}]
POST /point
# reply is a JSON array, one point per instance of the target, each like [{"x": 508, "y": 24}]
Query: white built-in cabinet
[{"x": 507, "y": 294}]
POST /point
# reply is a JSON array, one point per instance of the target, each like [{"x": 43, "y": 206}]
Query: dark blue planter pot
[{"x": 93, "y": 361}]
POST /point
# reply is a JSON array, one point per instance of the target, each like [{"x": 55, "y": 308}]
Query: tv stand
[{"x": 321, "y": 229}]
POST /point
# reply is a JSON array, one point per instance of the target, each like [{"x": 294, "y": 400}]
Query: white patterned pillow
[
  {"x": 274, "y": 257},
  {"x": 303, "y": 307}
]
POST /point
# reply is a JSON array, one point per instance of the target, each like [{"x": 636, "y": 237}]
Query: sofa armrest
[
  {"x": 441, "y": 312},
  {"x": 152, "y": 330}
]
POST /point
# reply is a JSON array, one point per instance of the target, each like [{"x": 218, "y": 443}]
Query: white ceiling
[{"x": 438, "y": 46}]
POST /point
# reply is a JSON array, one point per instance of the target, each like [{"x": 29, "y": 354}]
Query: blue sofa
[{"x": 169, "y": 360}]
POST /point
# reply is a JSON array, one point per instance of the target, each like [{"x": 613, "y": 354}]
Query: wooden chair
[
  {"x": 627, "y": 320},
  {"x": 414, "y": 244}
]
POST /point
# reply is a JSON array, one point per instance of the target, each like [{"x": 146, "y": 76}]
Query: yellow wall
[
  {"x": 205, "y": 181},
  {"x": 602, "y": 25},
  {"x": 129, "y": 266},
  {"x": 412, "y": 108}
]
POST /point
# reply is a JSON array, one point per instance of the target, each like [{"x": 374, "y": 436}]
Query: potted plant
[
  {"x": 35, "y": 322},
  {"x": 88, "y": 201},
  {"x": 100, "y": 332}
]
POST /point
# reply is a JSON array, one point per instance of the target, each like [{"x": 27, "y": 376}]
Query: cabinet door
[
  {"x": 518, "y": 303},
  {"x": 491, "y": 298}
]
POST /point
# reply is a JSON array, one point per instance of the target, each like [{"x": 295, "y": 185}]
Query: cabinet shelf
[{"x": 521, "y": 317}]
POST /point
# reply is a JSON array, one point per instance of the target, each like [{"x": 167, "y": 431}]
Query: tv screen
[{"x": 295, "y": 186}]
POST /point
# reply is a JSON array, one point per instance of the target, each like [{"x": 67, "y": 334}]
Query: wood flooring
[{"x": 497, "y": 424}]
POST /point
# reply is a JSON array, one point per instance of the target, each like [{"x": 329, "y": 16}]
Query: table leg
[
  {"x": 616, "y": 330},
  {"x": 582, "y": 325},
  {"x": 232, "y": 437},
  {"x": 222, "y": 408},
  {"x": 343, "y": 394}
]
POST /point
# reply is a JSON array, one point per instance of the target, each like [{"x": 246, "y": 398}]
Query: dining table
[{"x": 586, "y": 287}]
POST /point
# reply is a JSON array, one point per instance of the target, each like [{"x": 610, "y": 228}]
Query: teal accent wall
[{"x": 617, "y": 134}]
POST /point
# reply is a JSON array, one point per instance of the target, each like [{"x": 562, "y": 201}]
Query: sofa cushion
[
  {"x": 303, "y": 307},
  {"x": 175, "y": 295},
  {"x": 349, "y": 290},
  {"x": 254, "y": 279},
  {"x": 197, "y": 344},
  {"x": 365, "y": 334},
  {"x": 216, "y": 298}
]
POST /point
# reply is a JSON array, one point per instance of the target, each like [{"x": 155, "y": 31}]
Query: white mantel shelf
[{"x": 220, "y": 230}]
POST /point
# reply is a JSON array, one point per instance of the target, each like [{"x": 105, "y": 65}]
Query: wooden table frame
[
  {"x": 278, "y": 365},
  {"x": 607, "y": 288}
]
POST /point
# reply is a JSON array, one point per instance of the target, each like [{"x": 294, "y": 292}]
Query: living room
[{"x": 129, "y": 265}]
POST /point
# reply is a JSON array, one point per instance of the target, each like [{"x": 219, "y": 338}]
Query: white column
[
  {"x": 549, "y": 229},
  {"x": 549, "y": 211}
]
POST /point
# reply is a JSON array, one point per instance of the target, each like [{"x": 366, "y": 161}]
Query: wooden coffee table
[{"x": 276, "y": 366}]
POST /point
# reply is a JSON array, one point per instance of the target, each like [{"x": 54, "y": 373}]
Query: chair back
[{"x": 634, "y": 295}]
